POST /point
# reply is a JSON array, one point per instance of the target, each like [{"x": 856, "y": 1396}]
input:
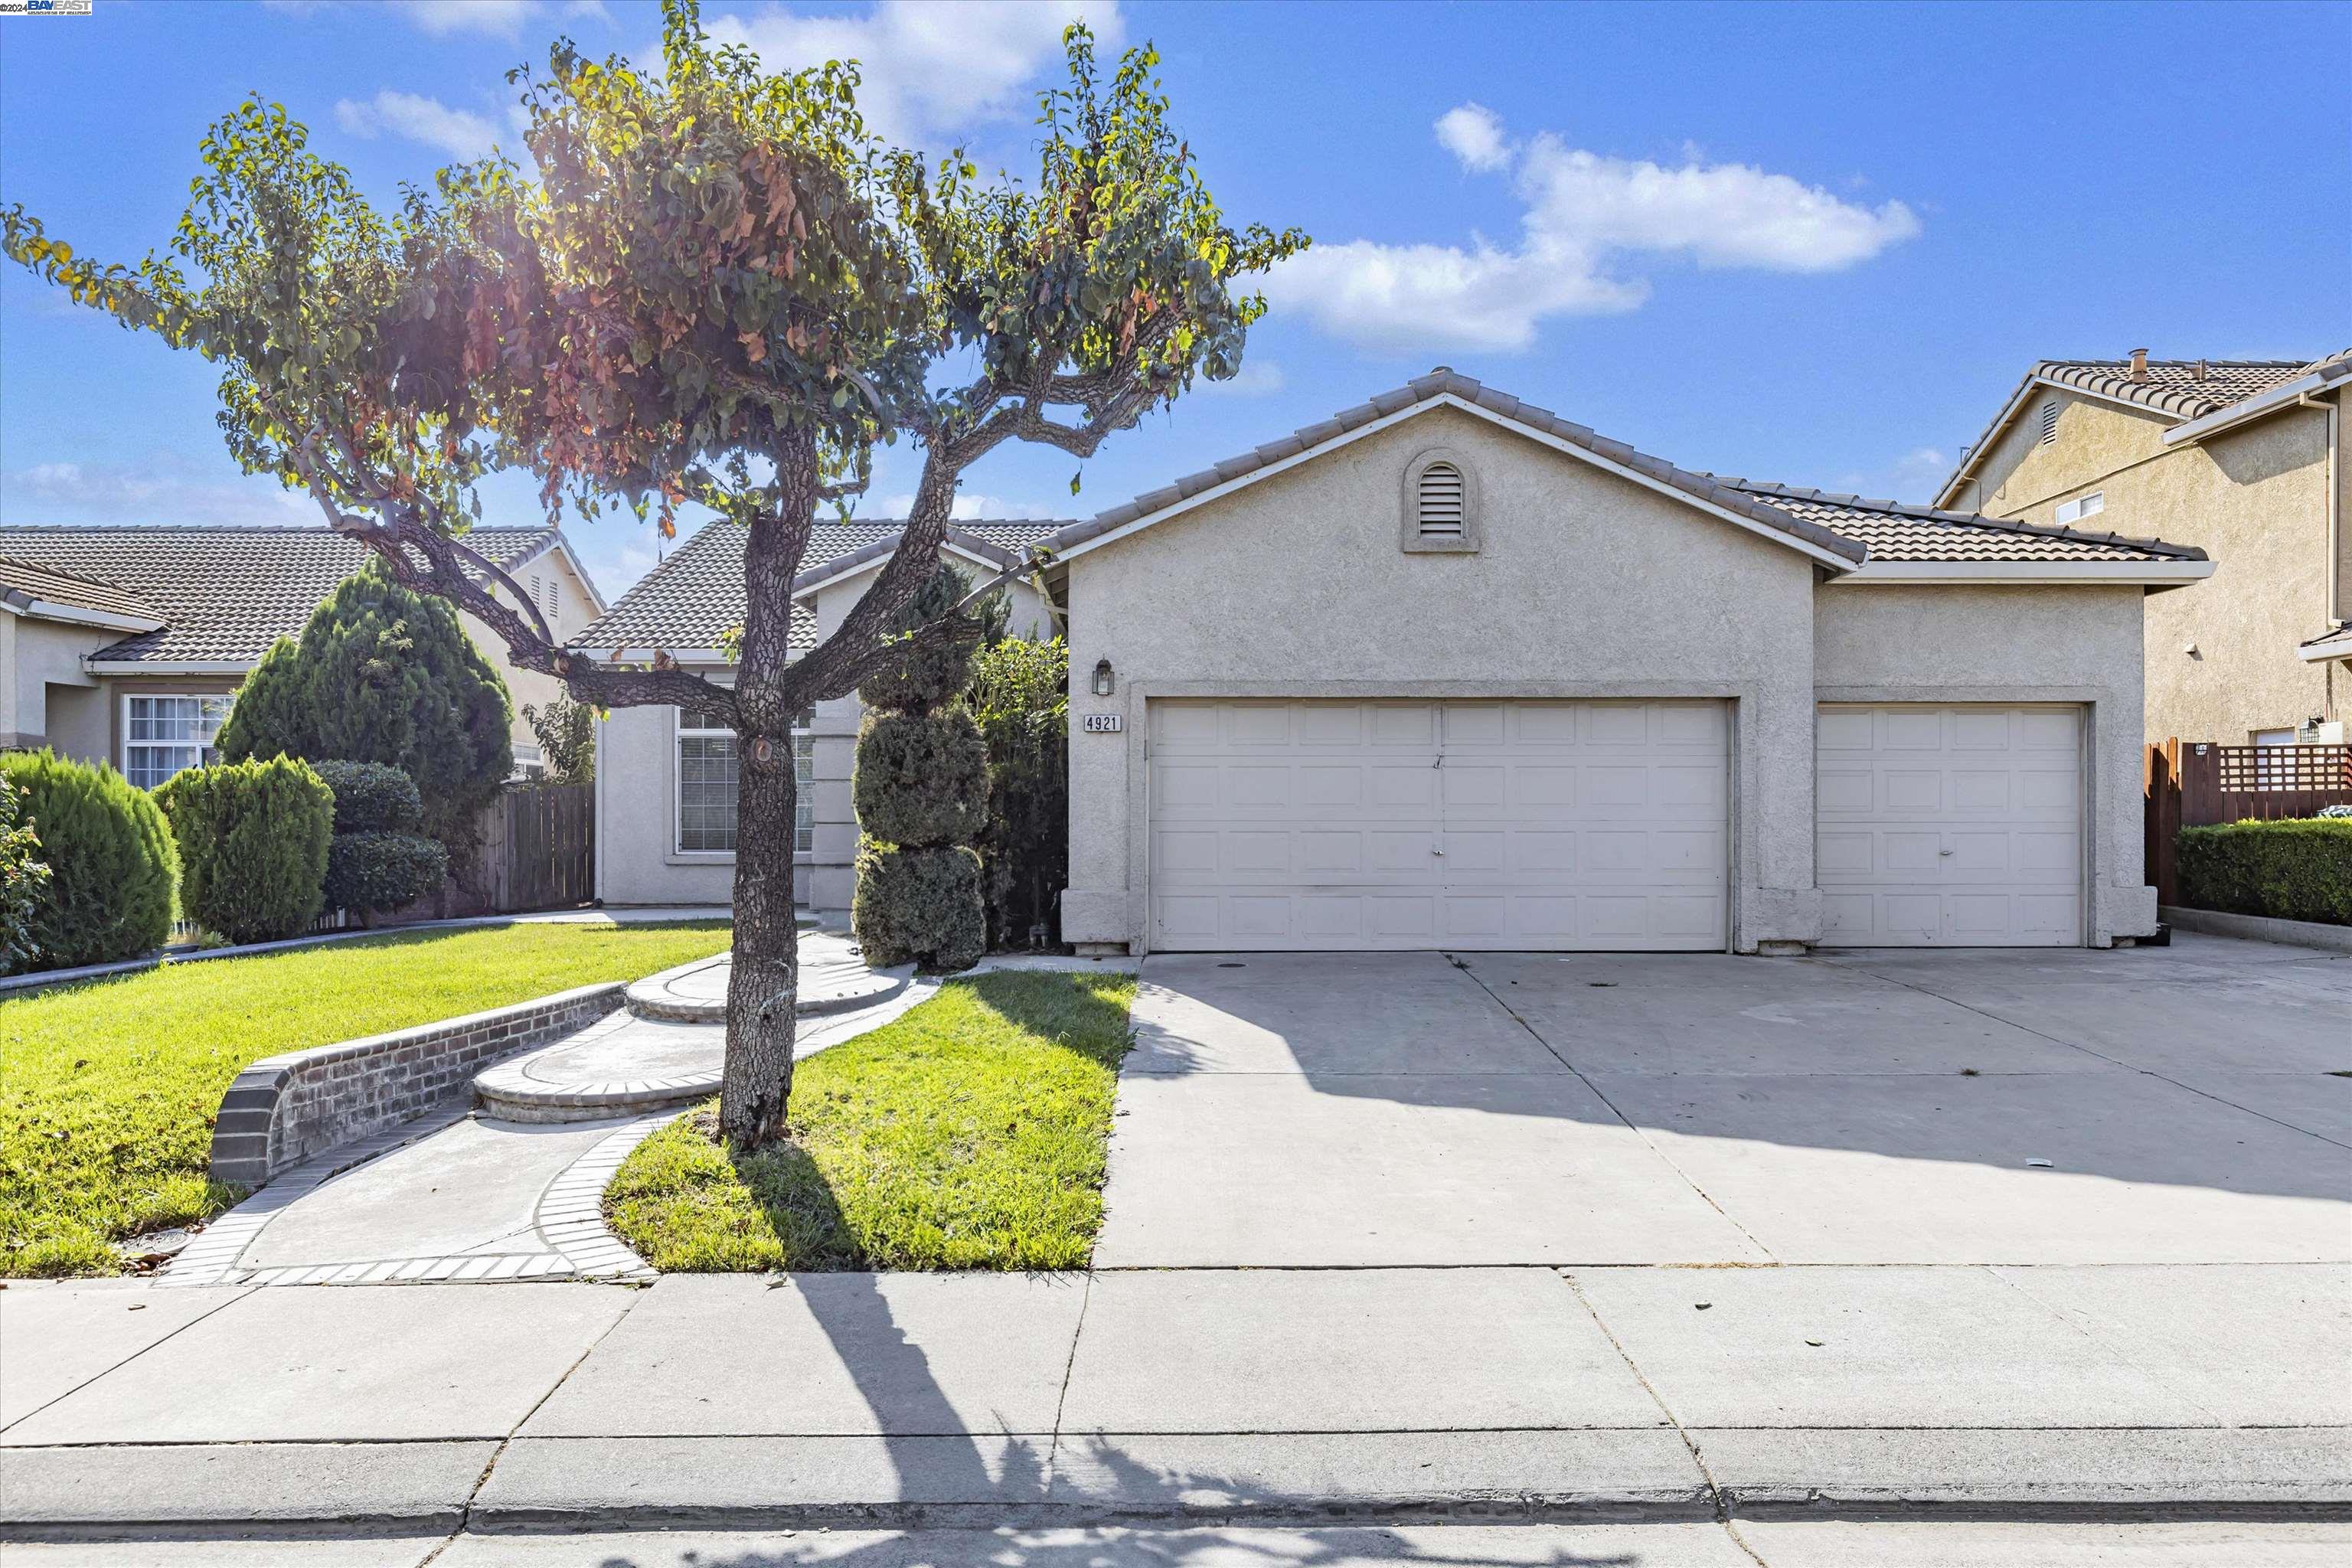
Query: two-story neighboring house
[
  {"x": 2245, "y": 458},
  {"x": 126, "y": 644}
]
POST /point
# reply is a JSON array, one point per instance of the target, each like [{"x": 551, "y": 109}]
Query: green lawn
[
  {"x": 108, "y": 1088},
  {"x": 969, "y": 1134}
]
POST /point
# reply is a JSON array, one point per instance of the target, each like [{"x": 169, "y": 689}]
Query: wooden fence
[
  {"x": 2196, "y": 784},
  {"x": 538, "y": 847}
]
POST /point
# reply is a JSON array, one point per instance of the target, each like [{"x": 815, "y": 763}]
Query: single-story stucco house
[{"x": 1449, "y": 671}]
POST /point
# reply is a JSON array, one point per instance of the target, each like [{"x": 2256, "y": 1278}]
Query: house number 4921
[{"x": 1101, "y": 723}]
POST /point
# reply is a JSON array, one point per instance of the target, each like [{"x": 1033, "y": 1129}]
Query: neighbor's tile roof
[
  {"x": 2189, "y": 388},
  {"x": 696, "y": 597},
  {"x": 23, "y": 584},
  {"x": 1699, "y": 487},
  {"x": 225, "y": 595},
  {"x": 1896, "y": 532}
]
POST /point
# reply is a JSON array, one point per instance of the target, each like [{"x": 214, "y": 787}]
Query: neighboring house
[
  {"x": 125, "y": 645},
  {"x": 665, "y": 778},
  {"x": 2245, "y": 458},
  {"x": 1449, "y": 671}
]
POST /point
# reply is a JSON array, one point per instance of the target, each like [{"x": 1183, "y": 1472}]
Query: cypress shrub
[
  {"x": 114, "y": 868},
  {"x": 383, "y": 674},
  {"x": 920, "y": 785},
  {"x": 24, "y": 876},
  {"x": 1020, "y": 695},
  {"x": 2297, "y": 868},
  {"x": 253, "y": 845}
]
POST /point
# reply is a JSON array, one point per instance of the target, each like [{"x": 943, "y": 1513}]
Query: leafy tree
[
  {"x": 567, "y": 739},
  {"x": 253, "y": 845},
  {"x": 719, "y": 287},
  {"x": 384, "y": 675},
  {"x": 24, "y": 876}
]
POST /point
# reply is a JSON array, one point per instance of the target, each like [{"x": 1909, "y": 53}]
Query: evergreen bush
[
  {"x": 920, "y": 785},
  {"x": 253, "y": 845},
  {"x": 372, "y": 798},
  {"x": 383, "y": 674},
  {"x": 1020, "y": 695},
  {"x": 370, "y": 872},
  {"x": 114, "y": 868},
  {"x": 2295, "y": 869},
  {"x": 24, "y": 876}
]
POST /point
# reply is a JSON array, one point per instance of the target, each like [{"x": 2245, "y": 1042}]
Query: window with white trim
[
  {"x": 164, "y": 734},
  {"x": 709, "y": 781},
  {"x": 2081, "y": 507}
]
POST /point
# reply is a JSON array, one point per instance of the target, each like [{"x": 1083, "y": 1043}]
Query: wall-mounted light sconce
[{"x": 1104, "y": 682}]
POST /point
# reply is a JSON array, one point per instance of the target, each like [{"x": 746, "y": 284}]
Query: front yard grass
[
  {"x": 108, "y": 1088},
  {"x": 967, "y": 1134}
]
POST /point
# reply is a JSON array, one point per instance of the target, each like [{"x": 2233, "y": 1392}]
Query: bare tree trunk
[{"x": 757, "y": 1083}]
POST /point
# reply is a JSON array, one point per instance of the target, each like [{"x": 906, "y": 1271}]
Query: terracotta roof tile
[
  {"x": 1896, "y": 532},
  {"x": 25, "y": 584}
]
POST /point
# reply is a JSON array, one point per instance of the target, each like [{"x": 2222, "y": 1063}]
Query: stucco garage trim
[
  {"x": 1838, "y": 556},
  {"x": 1740, "y": 700}
]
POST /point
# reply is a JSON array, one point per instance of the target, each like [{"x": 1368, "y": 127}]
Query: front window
[
  {"x": 709, "y": 779},
  {"x": 162, "y": 735}
]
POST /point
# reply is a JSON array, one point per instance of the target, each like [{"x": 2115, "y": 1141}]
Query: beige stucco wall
[
  {"x": 1586, "y": 584},
  {"x": 2255, "y": 499},
  {"x": 636, "y": 765},
  {"x": 40, "y": 666},
  {"x": 1918, "y": 644},
  {"x": 572, "y": 610}
]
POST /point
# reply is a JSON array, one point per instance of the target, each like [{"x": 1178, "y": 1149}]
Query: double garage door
[
  {"x": 1417, "y": 825},
  {"x": 1594, "y": 825}
]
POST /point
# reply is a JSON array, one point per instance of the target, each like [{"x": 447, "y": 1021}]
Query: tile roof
[
  {"x": 1437, "y": 382},
  {"x": 1896, "y": 532},
  {"x": 2336, "y": 644},
  {"x": 2189, "y": 388},
  {"x": 696, "y": 597},
  {"x": 225, "y": 595},
  {"x": 23, "y": 584}
]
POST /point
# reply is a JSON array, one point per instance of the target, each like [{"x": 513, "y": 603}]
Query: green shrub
[
  {"x": 2294, "y": 869},
  {"x": 24, "y": 877},
  {"x": 372, "y": 798},
  {"x": 567, "y": 740},
  {"x": 253, "y": 845},
  {"x": 918, "y": 906},
  {"x": 1020, "y": 695},
  {"x": 921, "y": 778},
  {"x": 370, "y": 872},
  {"x": 920, "y": 785},
  {"x": 114, "y": 868},
  {"x": 383, "y": 674}
]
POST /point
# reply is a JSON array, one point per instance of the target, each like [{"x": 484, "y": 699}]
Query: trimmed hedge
[
  {"x": 2299, "y": 869},
  {"x": 114, "y": 868},
  {"x": 372, "y": 798},
  {"x": 369, "y": 872},
  {"x": 919, "y": 905},
  {"x": 253, "y": 845},
  {"x": 921, "y": 778}
]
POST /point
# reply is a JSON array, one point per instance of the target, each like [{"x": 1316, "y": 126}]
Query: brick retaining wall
[{"x": 282, "y": 1110}]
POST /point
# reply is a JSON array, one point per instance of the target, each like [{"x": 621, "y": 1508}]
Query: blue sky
[{"x": 1816, "y": 245}]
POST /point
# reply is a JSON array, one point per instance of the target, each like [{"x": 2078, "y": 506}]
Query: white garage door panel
[
  {"x": 1950, "y": 827},
  {"x": 1414, "y": 825}
]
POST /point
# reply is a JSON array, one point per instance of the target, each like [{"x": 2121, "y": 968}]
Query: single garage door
[
  {"x": 1391, "y": 824},
  {"x": 1950, "y": 827}
]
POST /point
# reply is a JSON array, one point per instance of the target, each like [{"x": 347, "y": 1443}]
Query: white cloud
[
  {"x": 927, "y": 69},
  {"x": 418, "y": 119},
  {"x": 1585, "y": 216},
  {"x": 968, "y": 508},
  {"x": 1474, "y": 134},
  {"x": 1257, "y": 378},
  {"x": 164, "y": 488}
]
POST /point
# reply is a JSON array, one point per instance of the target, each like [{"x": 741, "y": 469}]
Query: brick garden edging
[{"x": 284, "y": 1108}]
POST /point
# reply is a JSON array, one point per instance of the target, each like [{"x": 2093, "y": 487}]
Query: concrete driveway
[{"x": 2154, "y": 1106}]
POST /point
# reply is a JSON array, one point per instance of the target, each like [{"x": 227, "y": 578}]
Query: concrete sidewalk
[{"x": 1174, "y": 1396}]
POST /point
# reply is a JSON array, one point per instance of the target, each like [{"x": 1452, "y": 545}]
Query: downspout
[{"x": 2333, "y": 409}]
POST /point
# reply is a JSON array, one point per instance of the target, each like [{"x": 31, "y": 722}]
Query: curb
[
  {"x": 649, "y": 998},
  {"x": 2260, "y": 928}
]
